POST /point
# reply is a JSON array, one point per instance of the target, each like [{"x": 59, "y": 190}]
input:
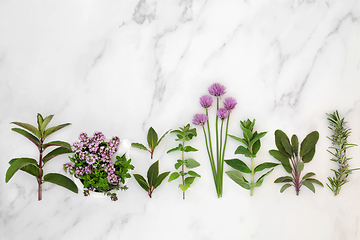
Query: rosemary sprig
[{"x": 340, "y": 134}]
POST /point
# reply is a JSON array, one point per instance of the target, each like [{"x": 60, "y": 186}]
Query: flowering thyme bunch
[
  {"x": 92, "y": 164},
  {"x": 216, "y": 90}
]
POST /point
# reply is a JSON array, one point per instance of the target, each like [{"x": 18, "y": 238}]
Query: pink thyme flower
[
  {"x": 229, "y": 103},
  {"x": 200, "y": 119},
  {"x": 222, "y": 113},
  {"x": 217, "y": 89},
  {"x": 206, "y": 101}
]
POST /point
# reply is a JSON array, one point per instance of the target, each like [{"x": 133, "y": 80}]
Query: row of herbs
[{"x": 92, "y": 162}]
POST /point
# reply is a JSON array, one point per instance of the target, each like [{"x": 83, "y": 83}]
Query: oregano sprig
[
  {"x": 293, "y": 160},
  {"x": 340, "y": 134},
  {"x": 153, "y": 141},
  {"x": 185, "y": 134},
  {"x": 154, "y": 179},
  {"x": 36, "y": 168},
  {"x": 252, "y": 144}
]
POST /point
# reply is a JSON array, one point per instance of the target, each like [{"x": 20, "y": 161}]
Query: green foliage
[
  {"x": 154, "y": 179},
  {"x": 185, "y": 134},
  {"x": 251, "y": 140},
  {"x": 123, "y": 166},
  {"x": 293, "y": 160},
  {"x": 37, "y": 135},
  {"x": 153, "y": 141},
  {"x": 340, "y": 134}
]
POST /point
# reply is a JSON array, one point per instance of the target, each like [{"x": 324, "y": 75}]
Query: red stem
[{"x": 40, "y": 170}]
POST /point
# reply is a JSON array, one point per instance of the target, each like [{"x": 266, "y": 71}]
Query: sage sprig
[
  {"x": 185, "y": 134},
  {"x": 252, "y": 144},
  {"x": 340, "y": 134},
  {"x": 293, "y": 160},
  {"x": 37, "y": 136},
  {"x": 154, "y": 179},
  {"x": 153, "y": 141}
]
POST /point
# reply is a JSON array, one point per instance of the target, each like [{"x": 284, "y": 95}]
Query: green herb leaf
[
  {"x": 283, "y": 179},
  {"x": 189, "y": 180},
  {"x": 261, "y": 179},
  {"x": 28, "y": 127},
  {"x": 295, "y": 144},
  {"x": 279, "y": 156},
  {"x": 142, "y": 182},
  {"x": 56, "y": 152},
  {"x": 190, "y": 149},
  {"x": 152, "y": 173},
  {"x": 45, "y": 123},
  {"x": 51, "y": 130},
  {"x": 313, "y": 180},
  {"x": 174, "y": 149},
  {"x": 309, "y": 143},
  {"x": 309, "y": 185},
  {"x": 286, "y": 144},
  {"x": 310, "y": 174},
  {"x": 179, "y": 163},
  {"x": 184, "y": 187},
  {"x": 283, "y": 188},
  {"x": 28, "y": 135},
  {"x": 173, "y": 176},
  {"x": 61, "y": 180},
  {"x": 32, "y": 169},
  {"x": 160, "y": 178},
  {"x": 309, "y": 156},
  {"x": 243, "y": 141},
  {"x": 278, "y": 135},
  {"x": 17, "y": 164},
  {"x": 194, "y": 174},
  {"x": 139, "y": 145},
  {"x": 162, "y": 137},
  {"x": 264, "y": 165},
  {"x": 152, "y": 139},
  {"x": 244, "y": 151},
  {"x": 57, "y": 143},
  {"x": 300, "y": 166},
  {"x": 239, "y": 179},
  {"x": 256, "y": 138},
  {"x": 238, "y": 165},
  {"x": 191, "y": 163}
]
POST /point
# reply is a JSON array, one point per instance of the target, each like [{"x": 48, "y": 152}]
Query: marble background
[{"x": 122, "y": 66}]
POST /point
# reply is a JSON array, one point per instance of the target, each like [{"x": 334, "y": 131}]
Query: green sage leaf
[
  {"x": 309, "y": 185},
  {"x": 283, "y": 188},
  {"x": 239, "y": 179},
  {"x": 18, "y": 164},
  {"x": 313, "y": 180},
  {"x": 300, "y": 166},
  {"x": 309, "y": 143},
  {"x": 142, "y": 182},
  {"x": 61, "y": 180},
  {"x": 309, "y": 156},
  {"x": 310, "y": 174},
  {"x": 279, "y": 156},
  {"x": 283, "y": 179},
  {"x": 278, "y": 135},
  {"x": 295, "y": 144},
  {"x": 238, "y": 165},
  {"x": 286, "y": 144}
]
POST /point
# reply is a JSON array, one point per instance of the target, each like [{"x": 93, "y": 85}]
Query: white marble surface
[{"x": 122, "y": 66}]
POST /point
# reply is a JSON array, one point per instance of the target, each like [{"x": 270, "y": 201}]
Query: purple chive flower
[
  {"x": 206, "y": 101},
  {"x": 217, "y": 89},
  {"x": 222, "y": 113},
  {"x": 200, "y": 119},
  {"x": 229, "y": 103}
]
